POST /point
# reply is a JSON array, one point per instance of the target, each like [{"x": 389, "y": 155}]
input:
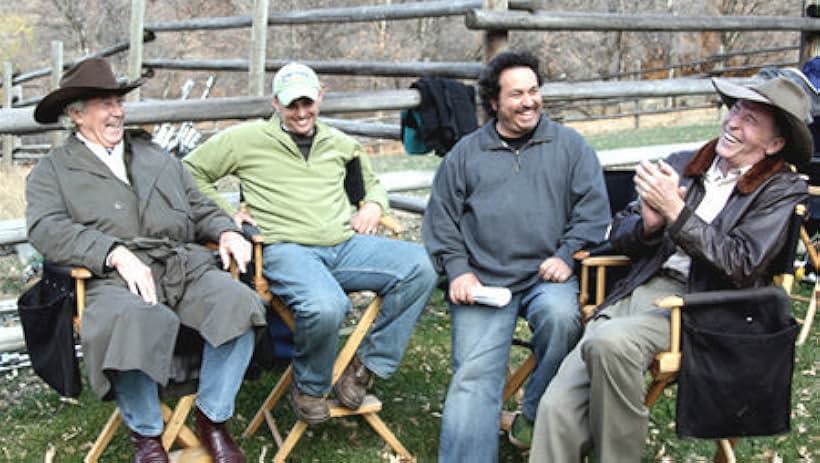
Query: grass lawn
[
  {"x": 36, "y": 425},
  {"x": 413, "y": 399}
]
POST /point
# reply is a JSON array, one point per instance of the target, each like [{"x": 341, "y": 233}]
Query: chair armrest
[
  {"x": 668, "y": 363},
  {"x": 260, "y": 283},
  {"x": 603, "y": 248},
  {"x": 389, "y": 222},
  {"x": 80, "y": 273}
]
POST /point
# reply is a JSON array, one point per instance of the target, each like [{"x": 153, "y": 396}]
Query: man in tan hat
[
  {"x": 114, "y": 202},
  {"x": 705, "y": 220}
]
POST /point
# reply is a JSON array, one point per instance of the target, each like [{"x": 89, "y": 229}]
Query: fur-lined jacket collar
[{"x": 749, "y": 181}]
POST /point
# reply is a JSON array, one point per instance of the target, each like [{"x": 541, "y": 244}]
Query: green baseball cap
[{"x": 293, "y": 81}]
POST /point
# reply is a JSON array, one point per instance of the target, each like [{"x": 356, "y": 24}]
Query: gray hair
[{"x": 65, "y": 118}]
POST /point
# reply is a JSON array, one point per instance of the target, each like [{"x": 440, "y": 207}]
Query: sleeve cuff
[{"x": 456, "y": 267}]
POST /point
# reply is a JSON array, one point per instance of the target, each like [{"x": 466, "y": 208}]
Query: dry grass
[{"x": 12, "y": 191}]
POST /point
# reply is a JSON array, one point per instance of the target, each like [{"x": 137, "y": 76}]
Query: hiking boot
[
  {"x": 310, "y": 409},
  {"x": 520, "y": 434},
  {"x": 352, "y": 385}
]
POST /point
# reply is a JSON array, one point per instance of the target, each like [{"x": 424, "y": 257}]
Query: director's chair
[
  {"x": 370, "y": 407},
  {"x": 175, "y": 428}
]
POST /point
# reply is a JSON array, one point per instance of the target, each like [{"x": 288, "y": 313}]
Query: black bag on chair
[
  {"x": 46, "y": 313},
  {"x": 738, "y": 357}
]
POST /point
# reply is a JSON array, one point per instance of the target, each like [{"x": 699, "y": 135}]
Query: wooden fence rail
[
  {"x": 148, "y": 36},
  {"x": 574, "y": 21},
  {"x": 455, "y": 70},
  {"x": 19, "y": 121},
  {"x": 335, "y": 15}
]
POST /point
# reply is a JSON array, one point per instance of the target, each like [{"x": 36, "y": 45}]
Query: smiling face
[
  {"x": 101, "y": 120},
  {"x": 748, "y": 134},
  {"x": 518, "y": 103},
  {"x": 299, "y": 116}
]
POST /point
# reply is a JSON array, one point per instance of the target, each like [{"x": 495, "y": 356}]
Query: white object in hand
[{"x": 492, "y": 295}]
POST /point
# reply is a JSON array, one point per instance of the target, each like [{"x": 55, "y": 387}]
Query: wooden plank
[
  {"x": 56, "y": 138},
  {"x": 256, "y": 68},
  {"x": 12, "y": 231},
  {"x": 21, "y": 121},
  {"x": 588, "y": 21},
  {"x": 8, "y": 140},
  {"x": 148, "y": 36},
  {"x": 362, "y": 13},
  {"x": 135, "y": 49},
  {"x": 454, "y": 70},
  {"x": 11, "y": 338}
]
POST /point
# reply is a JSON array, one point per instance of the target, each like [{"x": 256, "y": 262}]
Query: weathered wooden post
[
  {"x": 135, "y": 49},
  {"x": 495, "y": 40},
  {"x": 259, "y": 33},
  {"x": 8, "y": 140},
  {"x": 56, "y": 136}
]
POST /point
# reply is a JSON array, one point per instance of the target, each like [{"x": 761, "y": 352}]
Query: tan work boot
[
  {"x": 310, "y": 409},
  {"x": 352, "y": 386}
]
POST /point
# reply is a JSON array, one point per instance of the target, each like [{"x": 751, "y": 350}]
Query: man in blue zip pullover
[{"x": 510, "y": 205}]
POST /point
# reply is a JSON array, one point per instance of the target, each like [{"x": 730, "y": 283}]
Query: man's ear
[
  {"x": 75, "y": 115},
  {"x": 775, "y": 145},
  {"x": 276, "y": 104},
  {"x": 494, "y": 103}
]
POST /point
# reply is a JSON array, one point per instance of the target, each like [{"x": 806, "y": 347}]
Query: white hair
[{"x": 65, "y": 117}]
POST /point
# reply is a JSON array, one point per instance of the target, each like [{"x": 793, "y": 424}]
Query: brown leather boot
[
  {"x": 310, "y": 409},
  {"x": 216, "y": 440},
  {"x": 352, "y": 385},
  {"x": 148, "y": 449}
]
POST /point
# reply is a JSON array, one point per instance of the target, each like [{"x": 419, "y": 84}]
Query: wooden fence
[{"x": 494, "y": 17}]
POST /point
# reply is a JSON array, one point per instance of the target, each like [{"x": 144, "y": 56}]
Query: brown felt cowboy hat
[
  {"x": 86, "y": 79},
  {"x": 790, "y": 102}
]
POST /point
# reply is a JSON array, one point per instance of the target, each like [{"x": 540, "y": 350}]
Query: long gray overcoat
[{"x": 78, "y": 210}]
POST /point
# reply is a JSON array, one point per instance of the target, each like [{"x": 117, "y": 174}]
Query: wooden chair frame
[{"x": 371, "y": 405}]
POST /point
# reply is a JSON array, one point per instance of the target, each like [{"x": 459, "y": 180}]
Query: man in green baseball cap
[{"x": 292, "y": 169}]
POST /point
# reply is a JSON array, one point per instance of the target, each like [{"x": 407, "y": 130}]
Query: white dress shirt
[{"x": 113, "y": 159}]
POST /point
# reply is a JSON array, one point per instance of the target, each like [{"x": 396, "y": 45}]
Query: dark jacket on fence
[
  {"x": 447, "y": 112},
  {"x": 78, "y": 210}
]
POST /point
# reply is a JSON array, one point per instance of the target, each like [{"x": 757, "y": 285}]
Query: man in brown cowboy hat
[
  {"x": 705, "y": 220},
  {"x": 114, "y": 202}
]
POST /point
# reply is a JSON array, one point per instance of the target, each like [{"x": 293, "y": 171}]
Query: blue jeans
[
  {"x": 220, "y": 376},
  {"x": 313, "y": 281},
  {"x": 481, "y": 348}
]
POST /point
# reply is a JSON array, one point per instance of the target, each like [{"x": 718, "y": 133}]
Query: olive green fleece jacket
[{"x": 292, "y": 199}]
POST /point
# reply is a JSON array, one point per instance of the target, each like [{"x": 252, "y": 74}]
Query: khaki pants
[{"x": 596, "y": 398}]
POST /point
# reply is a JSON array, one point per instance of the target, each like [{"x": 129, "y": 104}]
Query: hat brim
[
  {"x": 287, "y": 96},
  {"x": 799, "y": 141},
  {"x": 50, "y": 108}
]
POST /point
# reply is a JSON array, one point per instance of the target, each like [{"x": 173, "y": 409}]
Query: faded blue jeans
[
  {"x": 481, "y": 347},
  {"x": 314, "y": 280},
  {"x": 221, "y": 373}
]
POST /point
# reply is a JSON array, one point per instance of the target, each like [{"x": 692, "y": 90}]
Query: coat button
[
  {"x": 749, "y": 319},
  {"x": 118, "y": 205}
]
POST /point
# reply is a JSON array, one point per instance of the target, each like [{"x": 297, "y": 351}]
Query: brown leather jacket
[{"x": 738, "y": 249}]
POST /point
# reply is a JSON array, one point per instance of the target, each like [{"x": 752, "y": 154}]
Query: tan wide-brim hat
[
  {"x": 788, "y": 99},
  {"x": 87, "y": 79}
]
